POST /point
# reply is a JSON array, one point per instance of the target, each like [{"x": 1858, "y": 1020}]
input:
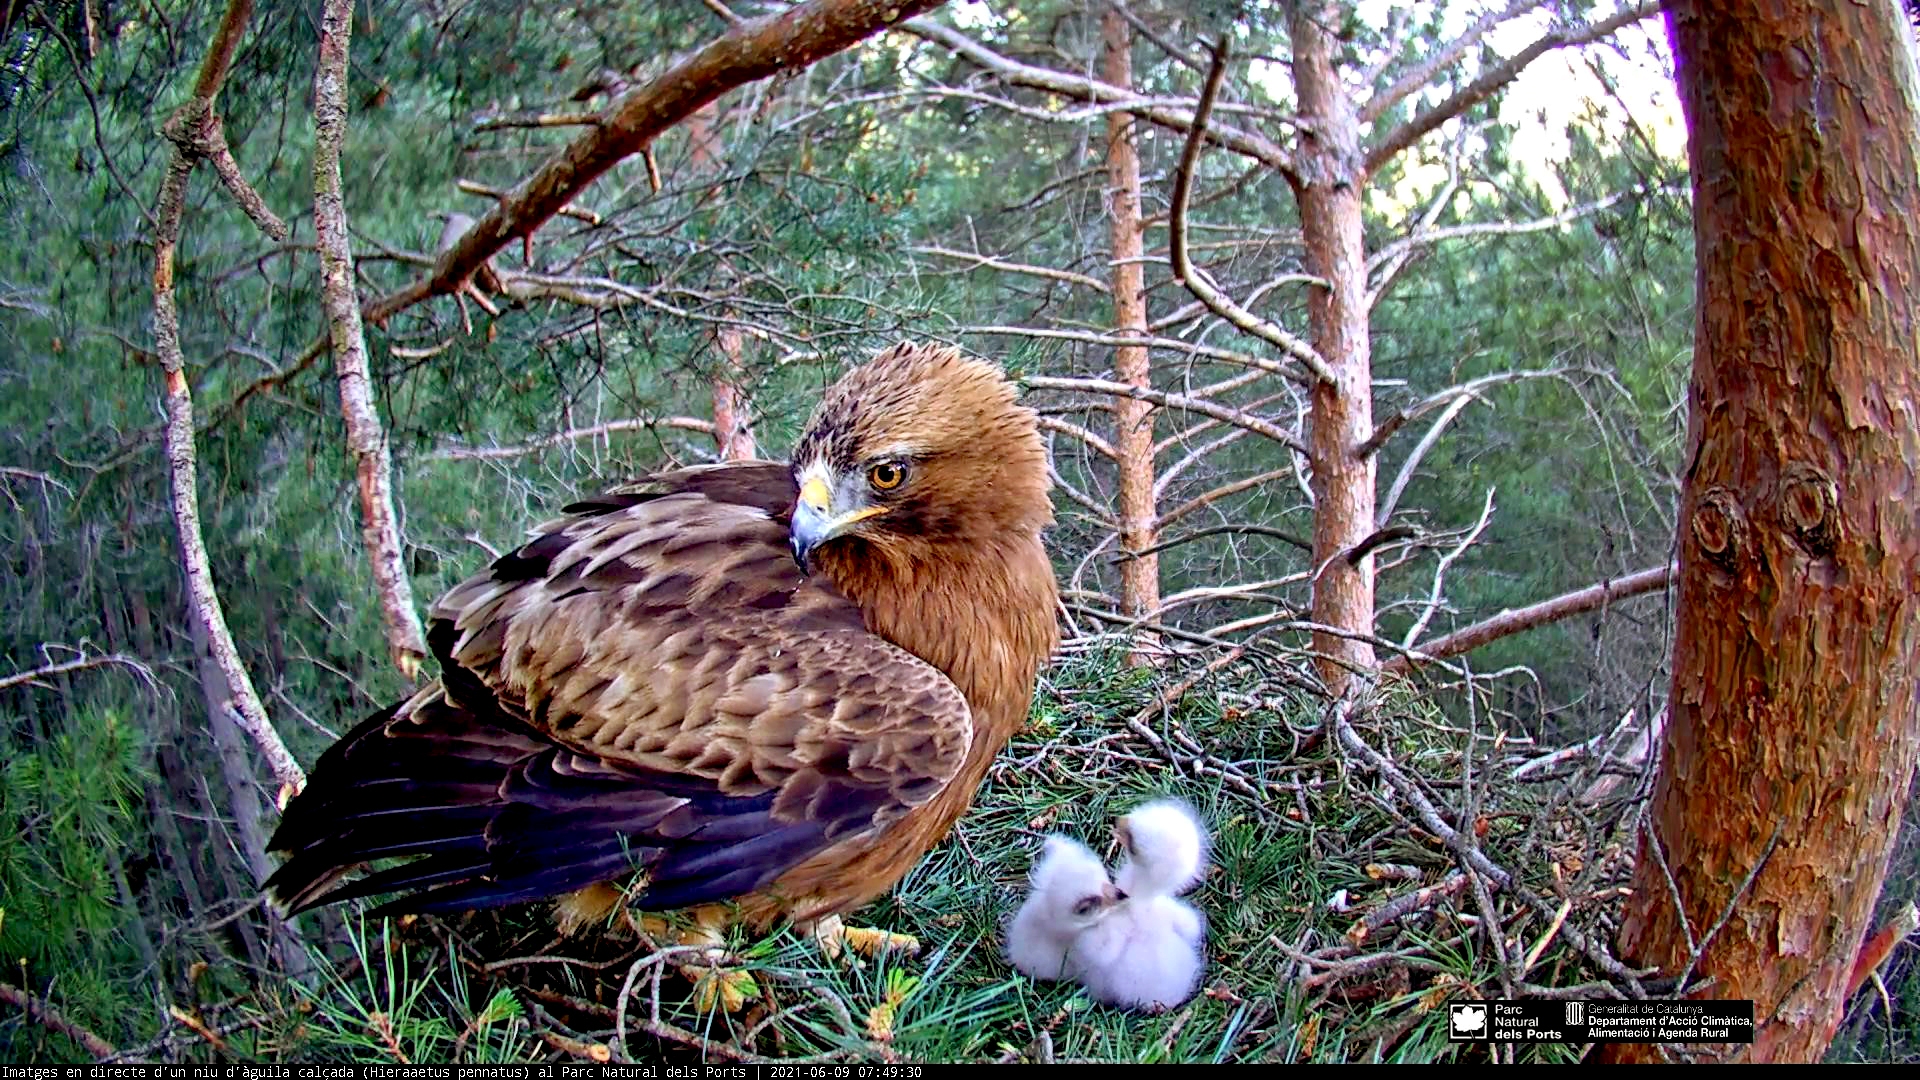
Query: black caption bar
[
  {"x": 1603, "y": 1021},
  {"x": 544, "y": 1071}
]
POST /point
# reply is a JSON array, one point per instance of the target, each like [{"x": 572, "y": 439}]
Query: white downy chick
[
  {"x": 1146, "y": 954},
  {"x": 1070, "y": 892},
  {"x": 1166, "y": 849},
  {"x": 1150, "y": 951}
]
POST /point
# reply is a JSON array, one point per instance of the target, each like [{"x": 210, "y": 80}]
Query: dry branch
[
  {"x": 1141, "y": 27},
  {"x": 1383, "y": 271},
  {"x": 493, "y": 453},
  {"x": 251, "y": 204},
  {"x": 1209, "y": 497},
  {"x": 1222, "y": 413},
  {"x": 1092, "y": 337},
  {"x": 373, "y": 464},
  {"x": 1432, "y": 605},
  {"x": 1438, "y": 60},
  {"x": 187, "y": 129},
  {"x": 1300, "y": 542},
  {"x": 81, "y": 663},
  {"x": 32, "y": 474},
  {"x": 980, "y": 259},
  {"x": 527, "y": 120},
  {"x": 50, "y": 1018},
  {"x": 1074, "y": 431},
  {"x": 471, "y": 187},
  {"x": 1434, "y": 400},
  {"x": 1196, "y": 280},
  {"x": 1429, "y": 235},
  {"x": 1532, "y": 616},
  {"x": 1484, "y": 87},
  {"x": 1081, "y": 88},
  {"x": 749, "y": 50}
]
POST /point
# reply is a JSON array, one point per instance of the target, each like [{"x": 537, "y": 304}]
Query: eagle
[{"x": 769, "y": 685}]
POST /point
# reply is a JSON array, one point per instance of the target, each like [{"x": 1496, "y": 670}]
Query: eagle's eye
[
  {"x": 1086, "y": 906},
  {"x": 887, "y": 475}
]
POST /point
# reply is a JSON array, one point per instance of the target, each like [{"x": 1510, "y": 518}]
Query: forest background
[{"x": 1529, "y": 303}]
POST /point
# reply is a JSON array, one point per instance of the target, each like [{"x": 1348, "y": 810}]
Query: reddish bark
[
  {"x": 1132, "y": 418},
  {"x": 1793, "y": 734},
  {"x": 1328, "y": 181},
  {"x": 732, "y": 412}
]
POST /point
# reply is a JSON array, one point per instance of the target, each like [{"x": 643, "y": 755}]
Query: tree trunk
[
  {"x": 1330, "y": 175},
  {"x": 373, "y": 465},
  {"x": 1793, "y": 736},
  {"x": 732, "y": 412},
  {"x": 1132, "y": 418},
  {"x": 243, "y": 803}
]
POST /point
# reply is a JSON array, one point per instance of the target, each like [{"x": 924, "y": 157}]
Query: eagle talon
[
  {"x": 714, "y": 983},
  {"x": 834, "y": 936},
  {"x": 729, "y": 988}
]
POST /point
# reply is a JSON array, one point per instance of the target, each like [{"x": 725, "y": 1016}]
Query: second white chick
[
  {"x": 1166, "y": 849},
  {"x": 1070, "y": 893},
  {"x": 1150, "y": 951}
]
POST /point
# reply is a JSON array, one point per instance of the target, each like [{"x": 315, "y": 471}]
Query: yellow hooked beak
[{"x": 814, "y": 522}]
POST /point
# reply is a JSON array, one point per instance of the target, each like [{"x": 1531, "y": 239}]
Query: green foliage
[
  {"x": 69, "y": 800},
  {"x": 394, "y": 994},
  {"x": 810, "y": 231}
]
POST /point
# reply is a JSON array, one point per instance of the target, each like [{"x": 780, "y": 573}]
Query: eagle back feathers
[
  {"x": 649, "y": 683},
  {"x": 651, "y": 689}
]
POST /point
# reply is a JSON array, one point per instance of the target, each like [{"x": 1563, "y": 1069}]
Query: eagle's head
[{"x": 919, "y": 449}]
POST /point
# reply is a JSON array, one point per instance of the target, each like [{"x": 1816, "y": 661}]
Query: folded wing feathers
[{"x": 648, "y": 684}]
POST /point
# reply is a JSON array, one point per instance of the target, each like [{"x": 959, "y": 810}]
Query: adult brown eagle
[{"x": 773, "y": 684}]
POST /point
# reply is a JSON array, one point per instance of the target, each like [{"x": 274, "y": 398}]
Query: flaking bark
[
  {"x": 732, "y": 413},
  {"x": 193, "y": 130},
  {"x": 1329, "y": 175},
  {"x": 366, "y": 437},
  {"x": 1793, "y": 731},
  {"x": 1133, "y": 419}
]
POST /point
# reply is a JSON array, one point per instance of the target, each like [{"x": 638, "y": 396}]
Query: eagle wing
[{"x": 648, "y": 684}]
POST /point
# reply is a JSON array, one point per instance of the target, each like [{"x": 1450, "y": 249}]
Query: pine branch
[
  {"x": 366, "y": 437},
  {"x": 494, "y": 453},
  {"x": 81, "y": 663},
  {"x": 50, "y": 1018},
  {"x": 472, "y": 187},
  {"x": 980, "y": 259},
  {"x": 1532, "y": 617},
  {"x": 1440, "y": 59},
  {"x": 186, "y": 130},
  {"x": 1185, "y": 403},
  {"x": 748, "y": 51},
  {"x": 1404, "y": 136},
  {"x": 1081, "y": 88},
  {"x": 1195, "y": 280}
]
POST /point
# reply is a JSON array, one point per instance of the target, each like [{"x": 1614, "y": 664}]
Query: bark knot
[
  {"x": 1720, "y": 527},
  {"x": 1809, "y": 507}
]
